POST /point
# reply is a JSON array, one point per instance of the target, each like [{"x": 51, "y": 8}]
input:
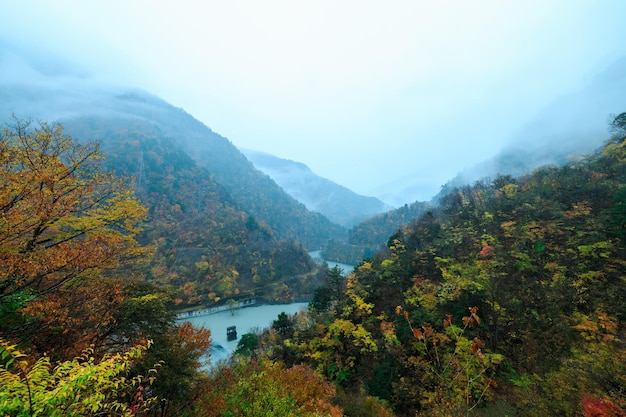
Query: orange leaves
[
  {"x": 600, "y": 407},
  {"x": 487, "y": 252},
  {"x": 472, "y": 319},
  {"x": 191, "y": 342},
  {"x": 580, "y": 209},
  {"x": 72, "y": 319},
  {"x": 447, "y": 321},
  {"x": 418, "y": 334},
  {"x": 60, "y": 216},
  {"x": 476, "y": 348},
  {"x": 298, "y": 390}
]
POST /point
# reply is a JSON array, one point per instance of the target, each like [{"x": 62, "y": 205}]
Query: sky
[{"x": 372, "y": 95}]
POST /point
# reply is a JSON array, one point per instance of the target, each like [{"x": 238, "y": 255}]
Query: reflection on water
[{"x": 246, "y": 319}]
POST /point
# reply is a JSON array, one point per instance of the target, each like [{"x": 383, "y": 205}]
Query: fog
[{"x": 388, "y": 99}]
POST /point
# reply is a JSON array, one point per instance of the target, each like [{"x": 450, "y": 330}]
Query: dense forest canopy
[{"x": 507, "y": 298}]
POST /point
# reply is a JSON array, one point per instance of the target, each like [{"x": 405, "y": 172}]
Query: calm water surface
[
  {"x": 246, "y": 319},
  {"x": 249, "y": 319}
]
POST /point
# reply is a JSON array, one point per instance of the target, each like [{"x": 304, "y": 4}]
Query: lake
[{"x": 247, "y": 320}]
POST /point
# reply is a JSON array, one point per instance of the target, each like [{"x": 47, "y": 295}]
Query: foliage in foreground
[
  {"x": 266, "y": 388},
  {"x": 81, "y": 387},
  {"x": 72, "y": 295}
]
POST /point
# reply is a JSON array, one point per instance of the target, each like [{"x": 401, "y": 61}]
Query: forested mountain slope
[
  {"x": 81, "y": 104},
  {"x": 208, "y": 246},
  {"x": 223, "y": 229},
  {"x": 374, "y": 232},
  {"x": 571, "y": 126},
  {"x": 252, "y": 190},
  {"x": 506, "y": 299}
]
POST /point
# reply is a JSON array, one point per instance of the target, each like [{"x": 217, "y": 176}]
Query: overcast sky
[{"x": 367, "y": 93}]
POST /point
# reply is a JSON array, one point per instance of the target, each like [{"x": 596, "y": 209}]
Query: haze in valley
[{"x": 388, "y": 99}]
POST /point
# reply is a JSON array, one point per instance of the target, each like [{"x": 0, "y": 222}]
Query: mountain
[
  {"x": 374, "y": 232},
  {"x": 569, "y": 127},
  {"x": 505, "y": 291},
  {"x": 221, "y": 228},
  {"x": 84, "y": 107},
  {"x": 572, "y": 125},
  {"x": 318, "y": 194},
  {"x": 252, "y": 190}
]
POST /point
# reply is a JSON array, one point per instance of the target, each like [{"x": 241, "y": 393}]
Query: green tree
[
  {"x": 80, "y": 387},
  {"x": 247, "y": 345},
  {"x": 283, "y": 325}
]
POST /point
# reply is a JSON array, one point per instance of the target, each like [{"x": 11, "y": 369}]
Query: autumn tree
[
  {"x": 64, "y": 222},
  {"x": 266, "y": 388}
]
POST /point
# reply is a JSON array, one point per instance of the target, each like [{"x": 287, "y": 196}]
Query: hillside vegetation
[
  {"x": 209, "y": 249},
  {"x": 505, "y": 299}
]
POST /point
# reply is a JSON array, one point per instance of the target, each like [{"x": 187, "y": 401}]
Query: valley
[{"x": 122, "y": 215}]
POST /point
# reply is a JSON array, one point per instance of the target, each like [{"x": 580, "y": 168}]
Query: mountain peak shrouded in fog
[
  {"x": 51, "y": 88},
  {"x": 569, "y": 127},
  {"x": 318, "y": 194}
]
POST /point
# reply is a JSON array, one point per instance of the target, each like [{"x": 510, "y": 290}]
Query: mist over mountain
[
  {"x": 318, "y": 194},
  {"x": 92, "y": 110},
  {"x": 570, "y": 126}
]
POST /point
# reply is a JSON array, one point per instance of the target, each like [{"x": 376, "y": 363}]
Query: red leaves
[
  {"x": 400, "y": 310},
  {"x": 476, "y": 345},
  {"x": 487, "y": 251},
  {"x": 418, "y": 280},
  {"x": 600, "y": 407},
  {"x": 447, "y": 321}
]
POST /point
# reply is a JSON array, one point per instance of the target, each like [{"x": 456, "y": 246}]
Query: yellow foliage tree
[
  {"x": 61, "y": 216},
  {"x": 65, "y": 226}
]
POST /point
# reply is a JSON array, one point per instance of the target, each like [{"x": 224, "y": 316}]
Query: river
[
  {"x": 247, "y": 320},
  {"x": 316, "y": 255}
]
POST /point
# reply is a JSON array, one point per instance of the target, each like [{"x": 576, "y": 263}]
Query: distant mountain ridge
[
  {"x": 318, "y": 194},
  {"x": 570, "y": 127}
]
